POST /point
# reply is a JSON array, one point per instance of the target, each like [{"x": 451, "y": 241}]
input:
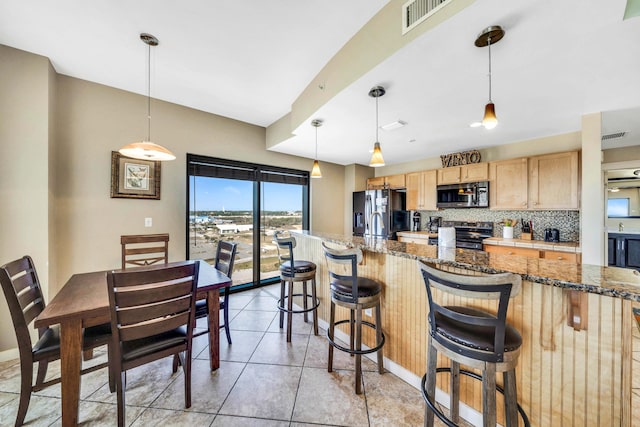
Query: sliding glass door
[{"x": 244, "y": 203}]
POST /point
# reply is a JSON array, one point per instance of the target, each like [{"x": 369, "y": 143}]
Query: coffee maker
[
  {"x": 415, "y": 221},
  {"x": 434, "y": 223}
]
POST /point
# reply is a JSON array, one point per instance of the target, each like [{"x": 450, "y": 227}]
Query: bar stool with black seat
[
  {"x": 225, "y": 257},
  {"x": 473, "y": 338},
  {"x": 357, "y": 294},
  {"x": 293, "y": 271},
  {"x": 23, "y": 293}
]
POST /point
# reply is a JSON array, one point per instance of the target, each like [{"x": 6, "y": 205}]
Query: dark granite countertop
[{"x": 610, "y": 281}]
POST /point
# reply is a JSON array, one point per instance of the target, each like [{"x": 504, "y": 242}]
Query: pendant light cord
[
  {"x": 489, "y": 46},
  {"x": 149, "y": 93},
  {"x": 316, "y": 143},
  {"x": 377, "y": 118}
]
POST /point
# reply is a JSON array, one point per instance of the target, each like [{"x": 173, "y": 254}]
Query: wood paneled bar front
[{"x": 575, "y": 366}]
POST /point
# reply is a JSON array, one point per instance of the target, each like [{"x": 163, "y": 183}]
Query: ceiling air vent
[
  {"x": 416, "y": 11},
  {"x": 613, "y": 136}
]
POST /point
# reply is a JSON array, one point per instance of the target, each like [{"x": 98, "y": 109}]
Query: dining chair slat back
[
  {"x": 23, "y": 293},
  {"x": 144, "y": 249},
  {"x": 225, "y": 258},
  {"x": 152, "y": 317}
]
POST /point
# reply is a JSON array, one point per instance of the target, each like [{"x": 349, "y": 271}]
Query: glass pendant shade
[
  {"x": 376, "y": 157},
  {"x": 489, "y": 121},
  {"x": 315, "y": 171},
  {"x": 146, "y": 150}
]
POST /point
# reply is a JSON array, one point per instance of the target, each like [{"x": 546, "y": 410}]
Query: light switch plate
[
  {"x": 368, "y": 312},
  {"x": 148, "y": 222}
]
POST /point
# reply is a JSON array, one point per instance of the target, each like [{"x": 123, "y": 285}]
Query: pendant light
[
  {"x": 491, "y": 35},
  {"x": 147, "y": 150},
  {"x": 376, "y": 158},
  {"x": 315, "y": 171}
]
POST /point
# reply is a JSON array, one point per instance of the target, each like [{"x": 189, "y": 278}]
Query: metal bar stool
[
  {"x": 292, "y": 271},
  {"x": 474, "y": 338},
  {"x": 357, "y": 294}
]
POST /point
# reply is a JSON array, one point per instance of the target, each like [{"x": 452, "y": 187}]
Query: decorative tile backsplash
[{"x": 568, "y": 222}]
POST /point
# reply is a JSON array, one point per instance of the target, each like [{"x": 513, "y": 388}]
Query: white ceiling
[{"x": 251, "y": 60}]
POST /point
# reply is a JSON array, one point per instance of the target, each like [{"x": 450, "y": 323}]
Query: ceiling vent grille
[
  {"x": 611, "y": 136},
  {"x": 416, "y": 11}
]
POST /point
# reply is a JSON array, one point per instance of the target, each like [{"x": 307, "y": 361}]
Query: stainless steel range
[{"x": 469, "y": 235}]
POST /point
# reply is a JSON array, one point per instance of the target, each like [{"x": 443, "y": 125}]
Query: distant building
[{"x": 234, "y": 228}]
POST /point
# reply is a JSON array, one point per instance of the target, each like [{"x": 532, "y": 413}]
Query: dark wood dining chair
[
  {"x": 23, "y": 293},
  {"x": 139, "y": 250},
  {"x": 152, "y": 313},
  {"x": 225, "y": 257}
]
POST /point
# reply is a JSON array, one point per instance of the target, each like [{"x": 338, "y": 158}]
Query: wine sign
[{"x": 459, "y": 159}]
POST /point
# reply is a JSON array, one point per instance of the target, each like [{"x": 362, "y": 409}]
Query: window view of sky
[{"x": 237, "y": 195}]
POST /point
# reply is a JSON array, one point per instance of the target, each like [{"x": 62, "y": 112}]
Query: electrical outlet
[
  {"x": 368, "y": 312},
  {"x": 148, "y": 222}
]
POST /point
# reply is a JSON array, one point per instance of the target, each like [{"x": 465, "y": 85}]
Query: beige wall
[
  {"x": 93, "y": 120},
  {"x": 57, "y": 134},
  {"x": 25, "y": 89},
  {"x": 592, "y": 220}
]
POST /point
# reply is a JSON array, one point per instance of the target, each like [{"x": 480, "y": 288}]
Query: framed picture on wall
[{"x": 133, "y": 178}]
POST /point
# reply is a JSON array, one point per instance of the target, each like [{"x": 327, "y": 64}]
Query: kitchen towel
[{"x": 447, "y": 237}]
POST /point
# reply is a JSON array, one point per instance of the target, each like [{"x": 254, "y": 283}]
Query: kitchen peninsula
[{"x": 576, "y": 323}]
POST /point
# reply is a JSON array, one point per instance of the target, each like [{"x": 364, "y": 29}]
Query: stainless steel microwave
[{"x": 467, "y": 195}]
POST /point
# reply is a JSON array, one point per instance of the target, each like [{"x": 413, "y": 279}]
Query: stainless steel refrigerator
[{"x": 380, "y": 213}]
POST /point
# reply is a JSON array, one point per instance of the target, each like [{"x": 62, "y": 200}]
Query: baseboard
[
  {"x": 10, "y": 354},
  {"x": 467, "y": 413}
]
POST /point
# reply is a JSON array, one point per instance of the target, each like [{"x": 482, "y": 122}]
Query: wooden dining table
[{"x": 84, "y": 302}]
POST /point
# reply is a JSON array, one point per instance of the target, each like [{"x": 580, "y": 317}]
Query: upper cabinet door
[
  {"x": 449, "y": 175},
  {"x": 474, "y": 172},
  {"x": 395, "y": 181},
  {"x": 553, "y": 181},
  {"x": 508, "y": 187},
  {"x": 376, "y": 183},
  {"x": 421, "y": 190}
]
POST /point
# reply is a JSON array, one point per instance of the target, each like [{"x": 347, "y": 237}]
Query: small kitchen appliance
[
  {"x": 415, "y": 221},
  {"x": 551, "y": 235},
  {"x": 434, "y": 223},
  {"x": 469, "y": 195}
]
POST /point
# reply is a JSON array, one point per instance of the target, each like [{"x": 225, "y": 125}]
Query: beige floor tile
[
  {"x": 262, "y": 303},
  {"x": 252, "y": 321},
  {"x": 318, "y": 354},
  {"x": 391, "y": 401},
  {"x": 299, "y": 326},
  {"x": 264, "y": 391},
  {"x": 329, "y": 398},
  {"x": 43, "y": 411},
  {"x": 244, "y": 344},
  {"x": 208, "y": 389},
  {"x": 240, "y": 300},
  {"x": 229, "y": 421},
  {"x": 7, "y": 397},
  {"x": 144, "y": 384},
  {"x": 96, "y": 414},
  {"x": 275, "y": 349},
  {"x": 168, "y": 418}
]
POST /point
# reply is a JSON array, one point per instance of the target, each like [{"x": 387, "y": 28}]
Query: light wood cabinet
[
  {"x": 560, "y": 256},
  {"x": 381, "y": 182},
  {"x": 541, "y": 182},
  {"x": 473, "y": 172},
  {"x": 570, "y": 257},
  {"x": 509, "y": 184},
  {"x": 416, "y": 240},
  {"x": 421, "y": 190},
  {"x": 511, "y": 250},
  {"x": 553, "y": 181},
  {"x": 449, "y": 175}
]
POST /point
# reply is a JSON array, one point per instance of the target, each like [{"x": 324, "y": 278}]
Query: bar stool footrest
[
  {"x": 350, "y": 351},
  {"x": 432, "y": 405},
  {"x": 284, "y": 309}
]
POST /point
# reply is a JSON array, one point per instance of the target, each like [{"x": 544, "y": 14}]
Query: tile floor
[{"x": 262, "y": 381}]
